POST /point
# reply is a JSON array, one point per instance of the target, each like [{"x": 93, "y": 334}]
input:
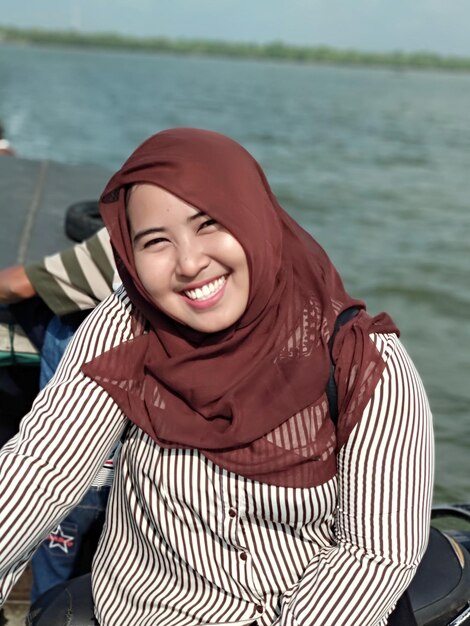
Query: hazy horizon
[{"x": 438, "y": 26}]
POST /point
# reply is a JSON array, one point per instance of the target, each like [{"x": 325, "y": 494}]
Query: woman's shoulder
[
  {"x": 387, "y": 344},
  {"x": 116, "y": 303},
  {"x": 113, "y": 321},
  {"x": 394, "y": 354}
]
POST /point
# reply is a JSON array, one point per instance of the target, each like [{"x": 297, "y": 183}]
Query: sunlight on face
[{"x": 193, "y": 269}]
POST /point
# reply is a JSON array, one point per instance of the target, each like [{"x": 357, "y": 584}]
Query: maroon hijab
[{"x": 250, "y": 397}]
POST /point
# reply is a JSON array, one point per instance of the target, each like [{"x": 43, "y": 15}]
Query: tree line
[{"x": 275, "y": 50}]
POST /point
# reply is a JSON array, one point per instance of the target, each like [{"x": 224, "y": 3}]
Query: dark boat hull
[{"x": 35, "y": 196}]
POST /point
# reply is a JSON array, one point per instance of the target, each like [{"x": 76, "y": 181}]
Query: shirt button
[
  {"x": 232, "y": 513},
  {"x": 243, "y": 556}
]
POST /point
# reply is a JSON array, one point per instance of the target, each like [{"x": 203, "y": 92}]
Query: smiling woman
[
  {"x": 237, "y": 498},
  {"x": 191, "y": 266}
]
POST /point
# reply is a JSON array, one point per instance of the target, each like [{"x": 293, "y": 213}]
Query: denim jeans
[
  {"x": 58, "y": 333},
  {"x": 58, "y": 557},
  {"x": 70, "y": 603}
]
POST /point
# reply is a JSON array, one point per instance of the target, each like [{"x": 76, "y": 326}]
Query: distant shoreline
[{"x": 211, "y": 48}]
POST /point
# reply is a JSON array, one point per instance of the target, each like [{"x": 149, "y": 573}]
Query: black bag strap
[{"x": 331, "y": 390}]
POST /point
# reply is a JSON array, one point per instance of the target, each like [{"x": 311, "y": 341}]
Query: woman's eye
[
  {"x": 154, "y": 242},
  {"x": 207, "y": 224}
]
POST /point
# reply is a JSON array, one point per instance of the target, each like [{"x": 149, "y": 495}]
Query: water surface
[{"x": 375, "y": 163}]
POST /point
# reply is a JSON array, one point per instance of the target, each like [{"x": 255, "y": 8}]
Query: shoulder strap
[{"x": 331, "y": 390}]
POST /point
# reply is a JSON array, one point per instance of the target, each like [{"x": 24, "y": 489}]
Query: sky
[{"x": 440, "y": 26}]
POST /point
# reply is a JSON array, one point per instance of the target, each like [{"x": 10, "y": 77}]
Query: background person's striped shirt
[{"x": 78, "y": 278}]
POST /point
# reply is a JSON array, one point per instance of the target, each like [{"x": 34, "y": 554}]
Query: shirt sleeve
[
  {"x": 78, "y": 278},
  {"x": 385, "y": 480},
  {"x": 61, "y": 444}
]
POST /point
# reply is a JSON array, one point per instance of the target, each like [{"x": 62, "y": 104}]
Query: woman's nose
[{"x": 191, "y": 259}]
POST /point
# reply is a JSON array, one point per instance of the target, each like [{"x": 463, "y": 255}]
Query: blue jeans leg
[
  {"x": 56, "y": 339},
  {"x": 56, "y": 559}
]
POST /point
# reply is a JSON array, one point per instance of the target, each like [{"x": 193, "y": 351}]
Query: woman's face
[{"x": 194, "y": 270}]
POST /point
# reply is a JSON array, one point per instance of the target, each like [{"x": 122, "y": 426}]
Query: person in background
[
  {"x": 71, "y": 283},
  {"x": 236, "y": 499},
  {"x": 5, "y": 145}
]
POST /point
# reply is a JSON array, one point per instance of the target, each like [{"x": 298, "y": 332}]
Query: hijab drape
[{"x": 250, "y": 397}]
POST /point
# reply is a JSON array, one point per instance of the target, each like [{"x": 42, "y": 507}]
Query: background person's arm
[
  {"x": 76, "y": 279},
  {"x": 15, "y": 285}
]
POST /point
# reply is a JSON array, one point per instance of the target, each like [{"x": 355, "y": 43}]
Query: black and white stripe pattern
[{"x": 188, "y": 543}]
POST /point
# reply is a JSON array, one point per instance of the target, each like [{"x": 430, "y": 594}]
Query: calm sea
[{"x": 375, "y": 163}]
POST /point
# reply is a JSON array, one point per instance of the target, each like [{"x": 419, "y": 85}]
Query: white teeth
[{"x": 206, "y": 291}]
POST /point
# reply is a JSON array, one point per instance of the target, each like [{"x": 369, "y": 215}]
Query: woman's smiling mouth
[{"x": 208, "y": 293}]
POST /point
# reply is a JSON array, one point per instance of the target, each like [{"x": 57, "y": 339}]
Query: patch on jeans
[{"x": 62, "y": 538}]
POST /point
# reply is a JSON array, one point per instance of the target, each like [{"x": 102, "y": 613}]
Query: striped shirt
[
  {"x": 187, "y": 543},
  {"x": 78, "y": 278}
]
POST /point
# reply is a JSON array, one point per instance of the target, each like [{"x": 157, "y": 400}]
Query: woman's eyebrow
[
  {"x": 196, "y": 215},
  {"x": 147, "y": 231}
]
